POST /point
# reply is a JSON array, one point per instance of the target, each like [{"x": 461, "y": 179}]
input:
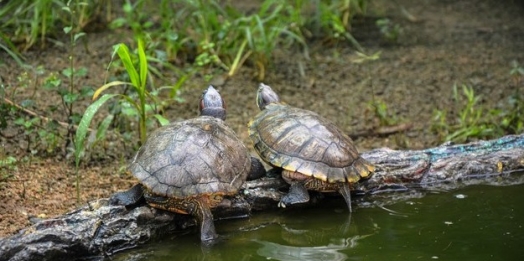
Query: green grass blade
[
  {"x": 261, "y": 28},
  {"x": 294, "y": 36},
  {"x": 10, "y": 49},
  {"x": 353, "y": 41},
  {"x": 123, "y": 53},
  {"x": 249, "y": 37},
  {"x": 142, "y": 61},
  {"x": 236, "y": 63},
  {"x": 161, "y": 119},
  {"x": 107, "y": 86},
  {"x": 173, "y": 94}
]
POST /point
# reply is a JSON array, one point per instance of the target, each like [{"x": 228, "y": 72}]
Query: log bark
[{"x": 99, "y": 230}]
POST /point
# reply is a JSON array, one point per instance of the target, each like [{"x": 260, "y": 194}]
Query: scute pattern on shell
[
  {"x": 192, "y": 157},
  {"x": 302, "y": 141}
]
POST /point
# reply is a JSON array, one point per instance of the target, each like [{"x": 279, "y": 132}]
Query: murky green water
[{"x": 474, "y": 223}]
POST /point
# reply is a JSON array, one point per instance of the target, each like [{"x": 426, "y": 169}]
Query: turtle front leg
[
  {"x": 257, "y": 169},
  {"x": 297, "y": 194},
  {"x": 346, "y": 193},
  {"x": 129, "y": 197}
]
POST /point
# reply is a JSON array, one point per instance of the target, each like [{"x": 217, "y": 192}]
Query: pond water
[{"x": 472, "y": 223}]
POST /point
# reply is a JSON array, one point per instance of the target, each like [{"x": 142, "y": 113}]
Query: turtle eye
[
  {"x": 260, "y": 102},
  {"x": 201, "y": 105},
  {"x": 223, "y": 103}
]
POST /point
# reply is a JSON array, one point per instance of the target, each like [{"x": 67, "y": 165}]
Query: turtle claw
[{"x": 281, "y": 204}]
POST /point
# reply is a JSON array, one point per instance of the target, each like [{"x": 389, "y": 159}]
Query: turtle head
[
  {"x": 212, "y": 104},
  {"x": 265, "y": 96}
]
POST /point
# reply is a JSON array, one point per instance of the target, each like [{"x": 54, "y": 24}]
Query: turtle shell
[
  {"x": 191, "y": 158},
  {"x": 302, "y": 141}
]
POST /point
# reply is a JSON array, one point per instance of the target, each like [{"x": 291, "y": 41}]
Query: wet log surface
[{"x": 99, "y": 230}]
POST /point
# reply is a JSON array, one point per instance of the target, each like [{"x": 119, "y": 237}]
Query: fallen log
[{"x": 99, "y": 230}]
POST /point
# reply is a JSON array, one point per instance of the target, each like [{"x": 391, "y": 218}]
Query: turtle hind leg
[
  {"x": 198, "y": 207},
  {"x": 202, "y": 213},
  {"x": 297, "y": 194},
  {"x": 346, "y": 193},
  {"x": 129, "y": 198}
]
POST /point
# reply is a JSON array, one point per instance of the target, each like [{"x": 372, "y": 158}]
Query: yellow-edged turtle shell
[{"x": 301, "y": 141}]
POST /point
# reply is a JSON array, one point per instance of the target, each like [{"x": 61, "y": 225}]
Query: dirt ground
[{"x": 443, "y": 42}]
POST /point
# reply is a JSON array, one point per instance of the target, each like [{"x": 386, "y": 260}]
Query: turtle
[
  {"x": 189, "y": 166},
  {"x": 311, "y": 151}
]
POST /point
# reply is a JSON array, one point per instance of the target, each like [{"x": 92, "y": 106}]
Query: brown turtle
[
  {"x": 313, "y": 153},
  {"x": 188, "y": 166}
]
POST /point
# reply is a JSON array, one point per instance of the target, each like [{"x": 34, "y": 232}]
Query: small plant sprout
[
  {"x": 138, "y": 100},
  {"x": 473, "y": 121},
  {"x": 389, "y": 30}
]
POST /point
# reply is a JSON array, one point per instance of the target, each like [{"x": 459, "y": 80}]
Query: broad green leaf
[
  {"x": 52, "y": 82},
  {"x": 81, "y": 72},
  {"x": 67, "y": 29},
  {"x": 163, "y": 121},
  {"x": 19, "y": 121},
  {"x": 128, "y": 8},
  {"x": 78, "y": 35},
  {"x": 67, "y": 72},
  {"x": 86, "y": 91},
  {"x": 102, "y": 128},
  {"x": 70, "y": 97},
  {"x": 117, "y": 23},
  {"x": 83, "y": 126}
]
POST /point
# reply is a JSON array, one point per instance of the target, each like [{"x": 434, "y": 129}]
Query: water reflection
[
  {"x": 316, "y": 233},
  {"x": 291, "y": 253},
  {"x": 311, "y": 244}
]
